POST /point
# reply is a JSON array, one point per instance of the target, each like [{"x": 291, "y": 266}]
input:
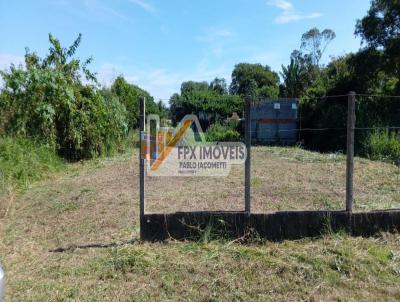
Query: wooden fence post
[
  {"x": 351, "y": 122},
  {"x": 247, "y": 182},
  {"x": 142, "y": 121}
]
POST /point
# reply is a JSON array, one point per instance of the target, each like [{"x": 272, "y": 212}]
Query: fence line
[
  {"x": 293, "y": 176},
  {"x": 351, "y": 129},
  {"x": 325, "y": 129}
]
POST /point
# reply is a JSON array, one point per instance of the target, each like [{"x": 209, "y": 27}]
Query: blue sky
[{"x": 159, "y": 44}]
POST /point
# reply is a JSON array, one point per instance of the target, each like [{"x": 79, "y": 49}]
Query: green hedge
[{"x": 383, "y": 145}]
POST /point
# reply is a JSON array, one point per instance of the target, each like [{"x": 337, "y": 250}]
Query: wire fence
[{"x": 300, "y": 160}]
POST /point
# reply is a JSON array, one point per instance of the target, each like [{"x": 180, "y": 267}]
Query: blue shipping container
[{"x": 274, "y": 122}]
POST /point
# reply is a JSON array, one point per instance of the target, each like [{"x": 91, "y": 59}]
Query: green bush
[
  {"x": 48, "y": 101},
  {"x": 221, "y": 133},
  {"x": 128, "y": 95},
  {"x": 23, "y": 161},
  {"x": 383, "y": 145}
]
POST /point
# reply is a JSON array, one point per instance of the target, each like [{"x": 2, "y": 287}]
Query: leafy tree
[
  {"x": 315, "y": 43},
  {"x": 380, "y": 28},
  {"x": 47, "y": 101},
  {"x": 162, "y": 110},
  {"x": 292, "y": 78},
  {"x": 176, "y": 108},
  {"x": 188, "y": 87},
  {"x": 297, "y": 76},
  {"x": 219, "y": 85},
  {"x": 360, "y": 72},
  {"x": 204, "y": 101},
  {"x": 129, "y": 94},
  {"x": 254, "y": 79}
]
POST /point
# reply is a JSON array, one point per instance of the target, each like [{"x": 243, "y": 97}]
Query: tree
[
  {"x": 298, "y": 75},
  {"x": 176, "y": 108},
  {"x": 48, "y": 102},
  {"x": 380, "y": 28},
  {"x": 209, "y": 101},
  {"x": 356, "y": 71},
  {"x": 315, "y": 43},
  {"x": 254, "y": 79},
  {"x": 162, "y": 110},
  {"x": 129, "y": 94},
  {"x": 219, "y": 85},
  {"x": 190, "y": 86},
  {"x": 291, "y": 78}
]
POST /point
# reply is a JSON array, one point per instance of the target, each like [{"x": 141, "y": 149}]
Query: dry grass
[
  {"x": 282, "y": 179},
  {"x": 98, "y": 202}
]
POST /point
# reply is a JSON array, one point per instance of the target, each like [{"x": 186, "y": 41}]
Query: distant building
[{"x": 274, "y": 122}]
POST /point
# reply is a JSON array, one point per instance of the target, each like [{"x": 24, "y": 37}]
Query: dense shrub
[
  {"x": 23, "y": 161},
  {"x": 383, "y": 145},
  {"x": 206, "y": 102},
  {"x": 48, "y": 101},
  {"x": 221, "y": 133},
  {"x": 129, "y": 94}
]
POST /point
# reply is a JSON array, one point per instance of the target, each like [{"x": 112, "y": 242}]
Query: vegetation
[
  {"x": 53, "y": 110},
  {"x": 210, "y": 102},
  {"x": 315, "y": 43},
  {"x": 48, "y": 101},
  {"x": 128, "y": 95},
  {"x": 77, "y": 208},
  {"x": 58, "y": 102},
  {"x": 22, "y": 161},
  {"x": 373, "y": 70},
  {"x": 222, "y": 133},
  {"x": 380, "y": 29},
  {"x": 255, "y": 80},
  {"x": 383, "y": 145}
]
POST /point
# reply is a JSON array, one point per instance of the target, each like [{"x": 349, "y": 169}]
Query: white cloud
[
  {"x": 213, "y": 34},
  {"x": 282, "y": 4},
  {"x": 273, "y": 59},
  {"x": 287, "y": 18},
  {"x": 289, "y": 12},
  {"x": 144, "y": 5},
  {"x": 265, "y": 57},
  {"x": 98, "y": 7},
  {"x": 160, "y": 83},
  {"x": 87, "y": 8},
  {"x": 215, "y": 41},
  {"x": 7, "y": 59}
]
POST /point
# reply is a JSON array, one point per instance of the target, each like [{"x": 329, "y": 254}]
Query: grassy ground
[
  {"x": 282, "y": 179},
  {"x": 22, "y": 162},
  {"x": 97, "y": 201}
]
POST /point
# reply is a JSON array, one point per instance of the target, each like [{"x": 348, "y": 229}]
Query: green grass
[
  {"x": 330, "y": 268},
  {"x": 383, "y": 145},
  {"x": 97, "y": 201},
  {"x": 22, "y": 162}
]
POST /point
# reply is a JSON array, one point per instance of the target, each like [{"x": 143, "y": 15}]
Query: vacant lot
[
  {"x": 97, "y": 202},
  {"x": 282, "y": 179}
]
